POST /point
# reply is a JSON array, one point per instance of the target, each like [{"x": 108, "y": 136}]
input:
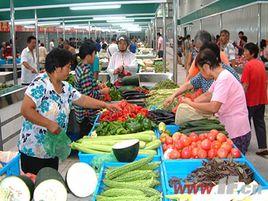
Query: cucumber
[
  {"x": 153, "y": 145},
  {"x": 49, "y": 185},
  {"x": 203, "y": 128}
]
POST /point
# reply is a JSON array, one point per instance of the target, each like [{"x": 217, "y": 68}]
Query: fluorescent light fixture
[
  {"x": 122, "y": 20},
  {"x": 95, "y": 7},
  {"x": 24, "y": 22},
  {"x": 48, "y": 23},
  {"x": 29, "y": 27},
  {"x": 109, "y": 18}
]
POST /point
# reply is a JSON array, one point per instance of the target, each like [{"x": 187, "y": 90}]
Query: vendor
[
  {"x": 86, "y": 84},
  {"x": 45, "y": 107},
  {"x": 122, "y": 61},
  {"x": 201, "y": 80},
  {"x": 226, "y": 99}
]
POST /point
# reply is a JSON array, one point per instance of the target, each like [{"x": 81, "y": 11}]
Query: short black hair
[
  {"x": 104, "y": 46},
  {"x": 214, "y": 47},
  {"x": 225, "y": 31},
  {"x": 159, "y": 34},
  {"x": 87, "y": 48},
  {"x": 208, "y": 56},
  {"x": 42, "y": 44},
  {"x": 253, "y": 49},
  {"x": 30, "y": 38},
  {"x": 240, "y": 32},
  {"x": 188, "y": 36},
  {"x": 244, "y": 38},
  {"x": 263, "y": 44},
  {"x": 57, "y": 58}
]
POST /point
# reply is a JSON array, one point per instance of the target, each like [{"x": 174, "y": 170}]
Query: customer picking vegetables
[
  {"x": 225, "y": 97},
  {"x": 45, "y": 107}
]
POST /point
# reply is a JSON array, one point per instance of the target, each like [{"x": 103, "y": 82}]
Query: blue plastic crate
[
  {"x": 100, "y": 185},
  {"x": 181, "y": 169},
  {"x": 11, "y": 168},
  {"x": 2, "y": 61}
]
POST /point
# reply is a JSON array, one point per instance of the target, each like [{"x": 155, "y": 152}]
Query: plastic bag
[
  {"x": 187, "y": 113},
  {"x": 99, "y": 159},
  {"x": 57, "y": 145}
]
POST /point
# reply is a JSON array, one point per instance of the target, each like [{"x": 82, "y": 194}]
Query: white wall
[{"x": 264, "y": 22}]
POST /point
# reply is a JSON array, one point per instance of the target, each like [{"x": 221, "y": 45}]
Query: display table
[{"x": 8, "y": 76}]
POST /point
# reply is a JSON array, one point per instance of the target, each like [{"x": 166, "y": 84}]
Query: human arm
[
  {"x": 245, "y": 77},
  {"x": 204, "y": 98}
]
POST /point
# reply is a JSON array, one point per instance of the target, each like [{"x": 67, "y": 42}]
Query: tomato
[
  {"x": 195, "y": 152},
  {"x": 222, "y": 153},
  {"x": 165, "y": 147},
  {"x": 163, "y": 138},
  {"x": 216, "y": 145},
  {"x": 194, "y": 144},
  {"x": 221, "y": 137},
  {"x": 235, "y": 153},
  {"x": 178, "y": 145},
  {"x": 169, "y": 140},
  {"x": 202, "y": 136},
  {"x": 212, "y": 153},
  {"x": 226, "y": 146},
  {"x": 186, "y": 153},
  {"x": 202, "y": 153},
  {"x": 214, "y": 132},
  {"x": 198, "y": 143},
  {"x": 186, "y": 141},
  {"x": 211, "y": 137},
  {"x": 193, "y": 137},
  {"x": 176, "y": 136},
  {"x": 206, "y": 144},
  {"x": 229, "y": 141},
  {"x": 174, "y": 154}
]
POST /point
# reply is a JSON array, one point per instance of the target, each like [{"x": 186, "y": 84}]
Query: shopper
[
  {"x": 60, "y": 43},
  {"x": 254, "y": 83},
  {"x": 187, "y": 49},
  {"x": 29, "y": 62},
  {"x": 202, "y": 80},
  {"x": 226, "y": 99},
  {"x": 133, "y": 45},
  {"x": 202, "y": 37},
  {"x": 160, "y": 45},
  {"x": 51, "y": 45},
  {"x": 264, "y": 50},
  {"x": 180, "y": 50},
  {"x": 67, "y": 46},
  {"x": 42, "y": 55},
  {"x": 122, "y": 62},
  {"x": 2, "y": 50},
  {"x": 113, "y": 47},
  {"x": 86, "y": 84},
  {"x": 45, "y": 107},
  {"x": 240, "y": 48},
  {"x": 227, "y": 46}
]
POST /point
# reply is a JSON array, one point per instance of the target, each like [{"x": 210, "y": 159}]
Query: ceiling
[{"x": 142, "y": 11}]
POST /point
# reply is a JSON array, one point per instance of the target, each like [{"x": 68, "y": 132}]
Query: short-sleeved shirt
[
  {"x": 160, "y": 42},
  {"x": 26, "y": 56},
  {"x": 86, "y": 84},
  {"x": 233, "y": 113},
  {"x": 199, "y": 82},
  {"x": 229, "y": 51},
  {"x": 255, "y": 76},
  {"x": 194, "y": 70},
  {"x": 49, "y": 104}
]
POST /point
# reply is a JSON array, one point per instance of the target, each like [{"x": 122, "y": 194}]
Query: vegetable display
[
  {"x": 131, "y": 125},
  {"x": 157, "y": 98},
  {"x": 127, "y": 111},
  {"x": 165, "y": 84},
  {"x": 132, "y": 182},
  {"x": 159, "y": 66},
  {"x": 164, "y": 116},
  {"x": 206, "y": 145},
  {"x": 115, "y": 94}
]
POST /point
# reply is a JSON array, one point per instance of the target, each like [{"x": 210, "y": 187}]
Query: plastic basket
[
  {"x": 100, "y": 185},
  {"x": 12, "y": 167},
  {"x": 2, "y": 61},
  {"x": 181, "y": 169}
]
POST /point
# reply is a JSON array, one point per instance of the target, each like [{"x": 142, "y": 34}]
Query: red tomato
[
  {"x": 165, "y": 147},
  {"x": 194, "y": 144},
  {"x": 214, "y": 132},
  {"x": 212, "y": 153},
  {"x": 169, "y": 140},
  {"x": 235, "y": 153},
  {"x": 202, "y": 153},
  {"x": 178, "y": 145},
  {"x": 186, "y": 153},
  {"x": 206, "y": 144},
  {"x": 174, "y": 154},
  {"x": 202, "y": 136},
  {"x": 229, "y": 141},
  {"x": 163, "y": 138},
  {"x": 226, "y": 146},
  {"x": 195, "y": 152},
  {"x": 222, "y": 153},
  {"x": 193, "y": 137},
  {"x": 216, "y": 145},
  {"x": 186, "y": 141},
  {"x": 221, "y": 137},
  {"x": 176, "y": 136},
  {"x": 211, "y": 137},
  {"x": 198, "y": 143}
]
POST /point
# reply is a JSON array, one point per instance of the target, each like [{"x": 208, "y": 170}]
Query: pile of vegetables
[
  {"x": 201, "y": 126},
  {"x": 159, "y": 66},
  {"x": 214, "y": 170},
  {"x": 115, "y": 94},
  {"x": 103, "y": 144},
  {"x": 165, "y": 84},
  {"x": 127, "y": 111},
  {"x": 158, "y": 116},
  {"x": 131, "y": 125},
  {"x": 134, "y": 181},
  {"x": 213, "y": 144},
  {"x": 157, "y": 98}
]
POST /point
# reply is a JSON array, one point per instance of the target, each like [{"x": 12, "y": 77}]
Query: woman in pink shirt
[{"x": 226, "y": 99}]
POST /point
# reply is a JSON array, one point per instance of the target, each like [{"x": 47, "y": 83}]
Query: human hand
[
  {"x": 34, "y": 71},
  {"x": 187, "y": 101},
  {"x": 113, "y": 107},
  {"x": 105, "y": 90},
  {"x": 54, "y": 128},
  {"x": 119, "y": 70},
  {"x": 168, "y": 101}
]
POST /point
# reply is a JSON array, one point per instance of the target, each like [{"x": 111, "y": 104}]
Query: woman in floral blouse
[{"x": 46, "y": 106}]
